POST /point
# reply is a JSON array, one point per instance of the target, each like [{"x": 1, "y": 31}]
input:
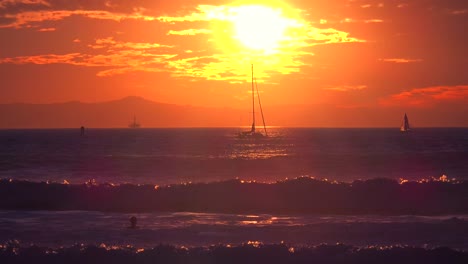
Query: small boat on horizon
[
  {"x": 252, "y": 133},
  {"x": 134, "y": 124},
  {"x": 405, "y": 127}
]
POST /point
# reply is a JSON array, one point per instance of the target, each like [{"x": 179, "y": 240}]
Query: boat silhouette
[
  {"x": 405, "y": 126},
  {"x": 134, "y": 124},
  {"x": 253, "y": 133}
]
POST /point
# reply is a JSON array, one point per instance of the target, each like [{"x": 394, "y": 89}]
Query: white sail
[{"x": 405, "y": 126}]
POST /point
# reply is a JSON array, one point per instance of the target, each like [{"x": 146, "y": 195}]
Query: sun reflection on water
[{"x": 271, "y": 147}]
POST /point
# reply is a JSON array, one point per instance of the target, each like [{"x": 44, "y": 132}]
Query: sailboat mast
[
  {"x": 253, "y": 102},
  {"x": 261, "y": 109}
]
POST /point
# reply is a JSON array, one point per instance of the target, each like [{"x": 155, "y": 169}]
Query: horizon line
[{"x": 219, "y": 127}]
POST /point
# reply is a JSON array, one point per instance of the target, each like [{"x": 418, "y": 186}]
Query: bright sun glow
[{"x": 259, "y": 27}]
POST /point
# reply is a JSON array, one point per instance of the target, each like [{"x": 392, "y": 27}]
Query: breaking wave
[
  {"x": 302, "y": 195},
  {"x": 250, "y": 252}
]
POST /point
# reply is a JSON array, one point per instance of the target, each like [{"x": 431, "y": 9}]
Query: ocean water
[
  {"x": 66, "y": 228},
  {"x": 167, "y": 156},
  {"x": 162, "y": 157}
]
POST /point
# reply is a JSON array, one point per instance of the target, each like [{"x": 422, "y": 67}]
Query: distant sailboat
[
  {"x": 134, "y": 124},
  {"x": 405, "y": 127},
  {"x": 252, "y": 133}
]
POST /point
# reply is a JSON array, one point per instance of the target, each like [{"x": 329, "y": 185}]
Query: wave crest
[
  {"x": 12, "y": 252},
  {"x": 300, "y": 195}
]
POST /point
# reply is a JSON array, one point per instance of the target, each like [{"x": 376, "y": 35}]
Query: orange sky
[{"x": 380, "y": 58}]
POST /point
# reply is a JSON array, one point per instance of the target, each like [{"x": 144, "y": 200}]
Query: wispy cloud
[
  {"x": 111, "y": 44},
  {"x": 46, "y": 29},
  {"x": 220, "y": 59},
  {"x": 189, "y": 32},
  {"x": 6, "y": 3},
  {"x": 231, "y": 67},
  {"x": 351, "y": 20},
  {"x": 346, "y": 88},
  {"x": 291, "y": 53},
  {"x": 375, "y": 20},
  {"x": 27, "y": 19},
  {"x": 228, "y": 13},
  {"x": 401, "y": 60},
  {"x": 427, "y": 96},
  {"x": 316, "y": 36},
  {"x": 120, "y": 57},
  {"x": 458, "y": 12},
  {"x": 44, "y": 59}
]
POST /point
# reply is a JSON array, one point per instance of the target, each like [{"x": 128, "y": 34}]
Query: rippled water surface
[
  {"x": 194, "y": 229},
  {"x": 164, "y": 156}
]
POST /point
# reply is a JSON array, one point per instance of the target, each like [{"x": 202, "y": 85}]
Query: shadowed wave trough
[{"x": 301, "y": 195}]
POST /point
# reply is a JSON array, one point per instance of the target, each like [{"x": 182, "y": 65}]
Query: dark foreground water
[
  {"x": 247, "y": 253},
  {"x": 66, "y": 228},
  {"x": 73, "y": 196}
]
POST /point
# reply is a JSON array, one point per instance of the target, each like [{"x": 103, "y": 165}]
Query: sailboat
[
  {"x": 252, "y": 133},
  {"x": 405, "y": 127},
  {"x": 134, "y": 124}
]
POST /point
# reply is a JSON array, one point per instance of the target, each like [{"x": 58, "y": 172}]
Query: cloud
[
  {"x": 112, "y": 44},
  {"x": 350, "y": 20},
  {"x": 123, "y": 70},
  {"x": 123, "y": 57},
  {"x": 25, "y": 19},
  {"x": 203, "y": 13},
  {"x": 459, "y": 12},
  {"x": 401, "y": 60},
  {"x": 373, "y": 21},
  {"x": 218, "y": 56},
  {"x": 423, "y": 97},
  {"x": 210, "y": 13},
  {"x": 46, "y": 29},
  {"x": 189, "y": 32},
  {"x": 232, "y": 67},
  {"x": 6, "y": 3},
  {"x": 346, "y": 88},
  {"x": 315, "y": 36},
  {"x": 290, "y": 56},
  {"x": 120, "y": 57},
  {"x": 43, "y": 59}
]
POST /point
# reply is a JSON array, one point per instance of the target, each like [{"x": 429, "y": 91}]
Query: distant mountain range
[{"x": 120, "y": 113}]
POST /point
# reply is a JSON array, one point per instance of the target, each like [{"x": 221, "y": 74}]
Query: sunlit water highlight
[
  {"x": 167, "y": 156},
  {"x": 200, "y": 229}
]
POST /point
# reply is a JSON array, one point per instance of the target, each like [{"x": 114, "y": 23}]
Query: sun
[{"x": 259, "y": 27}]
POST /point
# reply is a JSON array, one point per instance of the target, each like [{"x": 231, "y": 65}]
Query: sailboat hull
[{"x": 249, "y": 134}]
